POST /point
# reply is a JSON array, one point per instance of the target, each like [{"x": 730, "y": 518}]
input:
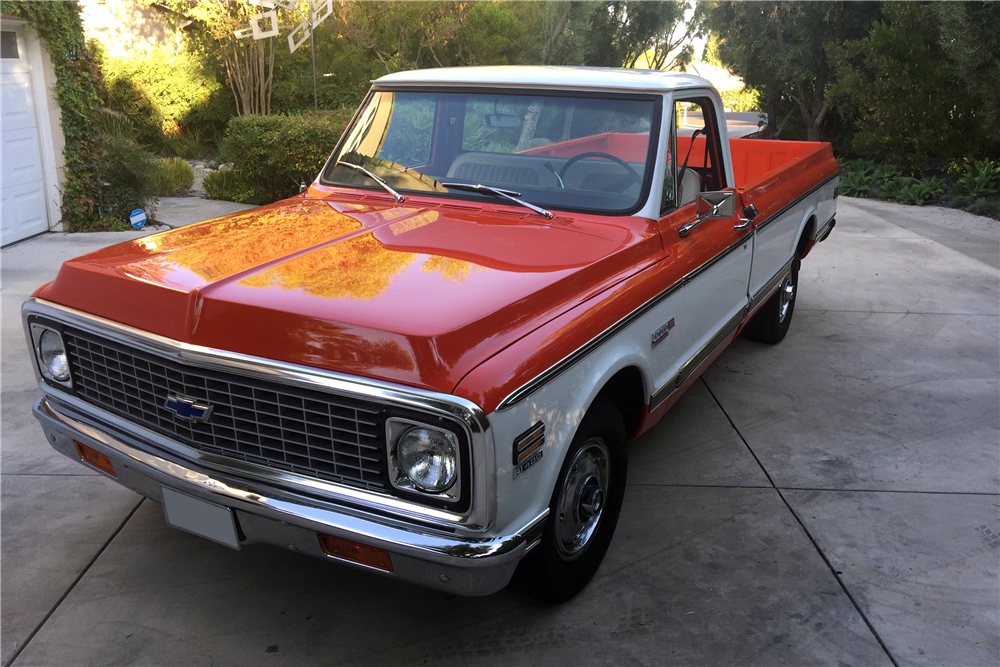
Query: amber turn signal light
[
  {"x": 355, "y": 552},
  {"x": 95, "y": 458}
]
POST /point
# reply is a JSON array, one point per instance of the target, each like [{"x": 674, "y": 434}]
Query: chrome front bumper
[{"x": 456, "y": 564}]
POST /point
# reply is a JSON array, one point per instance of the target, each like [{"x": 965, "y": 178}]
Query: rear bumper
[{"x": 456, "y": 564}]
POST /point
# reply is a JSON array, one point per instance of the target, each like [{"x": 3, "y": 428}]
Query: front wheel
[
  {"x": 771, "y": 322},
  {"x": 583, "y": 511}
]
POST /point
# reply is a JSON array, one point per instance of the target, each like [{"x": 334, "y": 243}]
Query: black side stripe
[{"x": 567, "y": 362}]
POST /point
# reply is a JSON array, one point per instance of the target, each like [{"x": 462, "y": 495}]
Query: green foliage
[
  {"x": 986, "y": 207},
  {"x": 900, "y": 89},
  {"x": 858, "y": 178},
  {"x": 747, "y": 99},
  {"x": 164, "y": 92},
  {"x": 191, "y": 143},
  {"x": 886, "y": 173},
  {"x": 781, "y": 49},
  {"x": 78, "y": 91},
  {"x": 227, "y": 186},
  {"x": 172, "y": 176},
  {"x": 979, "y": 180},
  {"x": 970, "y": 38},
  {"x": 129, "y": 171},
  {"x": 271, "y": 155},
  {"x": 893, "y": 188},
  {"x": 623, "y": 31},
  {"x": 918, "y": 194}
]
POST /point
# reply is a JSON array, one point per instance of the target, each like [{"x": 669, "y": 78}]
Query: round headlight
[
  {"x": 429, "y": 458},
  {"x": 53, "y": 355}
]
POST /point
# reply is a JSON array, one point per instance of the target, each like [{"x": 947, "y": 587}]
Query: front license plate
[{"x": 212, "y": 522}]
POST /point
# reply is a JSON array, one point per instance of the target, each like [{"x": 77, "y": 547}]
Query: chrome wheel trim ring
[
  {"x": 786, "y": 297},
  {"x": 586, "y": 480}
]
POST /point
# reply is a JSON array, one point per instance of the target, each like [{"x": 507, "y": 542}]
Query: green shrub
[
  {"x": 892, "y": 189},
  {"x": 747, "y": 99},
  {"x": 885, "y": 173},
  {"x": 858, "y": 178},
  {"x": 164, "y": 92},
  {"x": 191, "y": 143},
  {"x": 272, "y": 155},
  {"x": 918, "y": 194},
  {"x": 227, "y": 186},
  {"x": 172, "y": 176},
  {"x": 979, "y": 181},
  {"x": 128, "y": 172}
]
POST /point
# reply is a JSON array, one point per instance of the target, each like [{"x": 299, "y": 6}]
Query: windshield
[{"x": 568, "y": 152}]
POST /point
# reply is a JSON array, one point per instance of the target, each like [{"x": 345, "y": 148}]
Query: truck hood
[{"x": 417, "y": 293}]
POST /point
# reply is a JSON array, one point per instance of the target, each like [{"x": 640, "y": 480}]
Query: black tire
[
  {"x": 771, "y": 322},
  {"x": 559, "y": 567}
]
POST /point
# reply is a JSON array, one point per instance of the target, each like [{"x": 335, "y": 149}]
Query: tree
[
  {"x": 901, "y": 89},
  {"x": 624, "y": 31},
  {"x": 780, "y": 48},
  {"x": 970, "y": 38}
]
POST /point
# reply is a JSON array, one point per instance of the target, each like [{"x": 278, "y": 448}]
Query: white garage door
[{"x": 22, "y": 182}]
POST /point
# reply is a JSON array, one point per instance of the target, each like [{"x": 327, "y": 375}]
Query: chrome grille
[{"x": 313, "y": 433}]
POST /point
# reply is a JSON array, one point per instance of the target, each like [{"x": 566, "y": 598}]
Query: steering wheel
[{"x": 624, "y": 182}]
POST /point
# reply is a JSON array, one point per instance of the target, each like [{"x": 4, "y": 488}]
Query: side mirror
[
  {"x": 502, "y": 120},
  {"x": 714, "y": 205},
  {"x": 711, "y": 206}
]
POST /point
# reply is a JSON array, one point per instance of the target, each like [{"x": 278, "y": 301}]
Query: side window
[{"x": 698, "y": 150}]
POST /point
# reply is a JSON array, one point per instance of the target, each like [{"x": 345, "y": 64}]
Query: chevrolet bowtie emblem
[{"x": 188, "y": 408}]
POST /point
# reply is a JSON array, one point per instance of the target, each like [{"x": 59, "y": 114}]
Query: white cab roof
[{"x": 564, "y": 78}]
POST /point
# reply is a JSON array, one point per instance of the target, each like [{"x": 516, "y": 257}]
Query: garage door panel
[
  {"x": 21, "y": 158},
  {"x": 17, "y": 111},
  {"x": 22, "y": 209}
]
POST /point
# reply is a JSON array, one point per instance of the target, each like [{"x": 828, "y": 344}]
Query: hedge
[{"x": 272, "y": 155}]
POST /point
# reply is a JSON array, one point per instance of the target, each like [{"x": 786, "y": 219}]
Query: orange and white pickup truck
[{"x": 430, "y": 362}]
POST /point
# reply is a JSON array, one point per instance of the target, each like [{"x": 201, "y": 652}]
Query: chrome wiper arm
[
  {"x": 505, "y": 194},
  {"x": 388, "y": 188}
]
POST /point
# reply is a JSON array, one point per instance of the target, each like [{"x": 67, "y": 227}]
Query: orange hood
[{"x": 418, "y": 293}]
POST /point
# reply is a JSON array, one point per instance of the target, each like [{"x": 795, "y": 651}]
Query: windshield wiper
[
  {"x": 505, "y": 194},
  {"x": 350, "y": 165}
]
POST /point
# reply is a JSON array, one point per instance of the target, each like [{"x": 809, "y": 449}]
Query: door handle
[{"x": 744, "y": 223}]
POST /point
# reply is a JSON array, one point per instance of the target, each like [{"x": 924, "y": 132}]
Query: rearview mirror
[{"x": 502, "y": 120}]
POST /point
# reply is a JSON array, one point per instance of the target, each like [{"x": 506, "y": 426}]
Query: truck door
[{"x": 710, "y": 260}]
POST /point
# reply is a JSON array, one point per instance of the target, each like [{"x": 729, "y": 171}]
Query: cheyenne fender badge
[
  {"x": 188, "y": 408},
  {"x": 662, "y": 331}
]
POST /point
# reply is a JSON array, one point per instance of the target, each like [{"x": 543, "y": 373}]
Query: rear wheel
[
  {"x": 771, "y": 322},
  {"x": 583, "y": 511}
]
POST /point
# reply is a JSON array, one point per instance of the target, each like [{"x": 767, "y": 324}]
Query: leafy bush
[
  {"x": 227, "y": 186},
  {"x": 885, "y": 173},
  {"x": 191, "y": 143},
  {"x": 163, "y": 93},
  {"x": 892, "y": 189},
  {"x": 271, "y": 155},
  {"x": 747, "y": 99},
  {"x": 918, "y": 194},
  {"x": 858, "y": 178},
  {"x": 128, "y": 171},
  {"x": 172, "y": 176},
  {"x": 979, "y": 181}
]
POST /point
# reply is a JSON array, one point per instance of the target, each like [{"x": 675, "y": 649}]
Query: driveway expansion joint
[
  {"x": 802, "y": 525},
  {"x": 83, "y": 572}
]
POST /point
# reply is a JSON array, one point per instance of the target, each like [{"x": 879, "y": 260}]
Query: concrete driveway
[{"x": 834, "y": 499}]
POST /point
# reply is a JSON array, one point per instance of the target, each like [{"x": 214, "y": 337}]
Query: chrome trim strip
[
  {"x": 774, "y": 216},
  {"x": 682, "y": 375},
  {"x": 471, "y": 417},
  {"x": 770, "y": 286},
  {"x": 568, "y": 361},
  {"x": 406, "y": 539}
]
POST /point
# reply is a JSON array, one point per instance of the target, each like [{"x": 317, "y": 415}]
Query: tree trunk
[{"x": 559, "y": 27}]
